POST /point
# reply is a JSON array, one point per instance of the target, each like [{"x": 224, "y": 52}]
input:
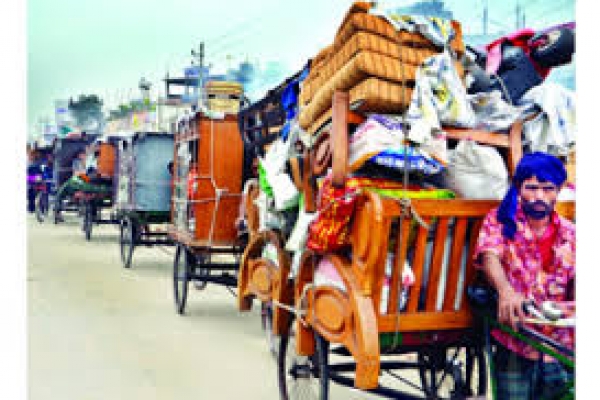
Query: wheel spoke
[{"x": 445, "y": 371}]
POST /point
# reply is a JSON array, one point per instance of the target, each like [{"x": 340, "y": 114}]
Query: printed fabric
[
  {"x": 439, "y": 97},
  {"x": 522, "y": 264},
  {"x": 380, "y": 139},
  {"x": 553, "y": 130},
  {"x": 438, "y": 30},
  {"x": 330, "y": 230}
]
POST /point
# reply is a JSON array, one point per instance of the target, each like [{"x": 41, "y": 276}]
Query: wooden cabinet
[{"x": 208, "y": 177}]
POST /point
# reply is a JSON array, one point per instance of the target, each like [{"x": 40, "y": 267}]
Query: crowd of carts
[{"x": 198, "y": 189}]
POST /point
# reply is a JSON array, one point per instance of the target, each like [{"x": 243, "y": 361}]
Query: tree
[{"x": 86, "y": 110}]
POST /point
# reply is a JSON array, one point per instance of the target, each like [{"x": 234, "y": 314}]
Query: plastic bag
[
  {"x": 477, "y": 172},
  {"x": 284, "y": 191},
  {"x": 299, "y": 235},
  {"x": 267, "y": 218}
]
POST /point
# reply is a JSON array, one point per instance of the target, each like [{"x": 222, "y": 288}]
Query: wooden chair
[{"x": 343, "y": 117}]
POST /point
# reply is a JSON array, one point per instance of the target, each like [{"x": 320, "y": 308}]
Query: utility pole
[
  {"x": 485, "y": 17},
  {"x": 518, "y": 15},
  {"x": 200, "y": 55}
]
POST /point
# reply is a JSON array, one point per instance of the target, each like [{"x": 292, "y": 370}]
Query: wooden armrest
[
  {"x": 369, "y": 237},
  {"x": 339, "y": 138},
  {"x": 511, "y": 141},
  {"x": 495, "y": 139}
]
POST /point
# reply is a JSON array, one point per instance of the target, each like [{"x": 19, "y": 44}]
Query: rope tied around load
[
  {"x": 299, "y": 311},
  {"x": 407, "y": 210}
]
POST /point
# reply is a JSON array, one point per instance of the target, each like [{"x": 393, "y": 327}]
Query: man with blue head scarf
[{"x": 527, "y": 253}]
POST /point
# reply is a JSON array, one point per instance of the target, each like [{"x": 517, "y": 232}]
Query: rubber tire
[
  {"x": 181, "y": 274},
  {"x": 56, "y": 217},
  {"x": 558, "y": 52},
  {"x": 41, "y": 206},
  {"x": 322, "y": 350},
  {"x": 127, "y": 241},
  {"x": 88, "y": 221},
  {"x": 319, "y": 370}
]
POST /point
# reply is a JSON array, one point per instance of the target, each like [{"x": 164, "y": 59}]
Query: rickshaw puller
[{"x": 527, "y": 253}]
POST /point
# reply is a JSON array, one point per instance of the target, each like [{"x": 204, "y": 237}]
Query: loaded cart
[
  {"x": 345, "y": 313},
  {"x": 270, "y": 123},
  {"x": 399, "y": 171},
  {"x": 143, "y": 191},
  {"x": 207, "y": 189},
  {"x": 66, "y": 152},
  {"x": 99, "y": 193}
]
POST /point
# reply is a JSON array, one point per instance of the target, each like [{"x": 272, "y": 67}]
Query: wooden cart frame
[
  {"x": 141, "y": 228},
  {"x": 138, "y": 226},
  {"x": 93, "y": 204},
  {"x": 350, "y": 319},
  {"x": 203, "y": 216}
]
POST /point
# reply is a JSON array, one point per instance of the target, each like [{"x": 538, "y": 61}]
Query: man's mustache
[
  {"x": 539, "y": 204},
  {"x": 537, "y": 209}
]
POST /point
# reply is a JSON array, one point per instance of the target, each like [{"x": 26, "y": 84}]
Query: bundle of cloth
[{"x": 374, "y": 56}]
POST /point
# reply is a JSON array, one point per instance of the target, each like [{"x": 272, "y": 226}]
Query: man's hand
[
  {"x": 510, "y": 303},
  {"x": 510, "y": 307}
]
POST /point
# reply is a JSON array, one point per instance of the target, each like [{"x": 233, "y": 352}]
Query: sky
[{"x": 104, "y": 47}]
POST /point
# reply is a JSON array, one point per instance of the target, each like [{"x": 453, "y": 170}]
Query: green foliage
[
  {"x": 126, "y": 109},
  {"x": 86, "y": 108}
]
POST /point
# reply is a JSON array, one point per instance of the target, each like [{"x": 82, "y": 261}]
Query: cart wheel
[
  {"x": 302, "y": 377},
  {"x": 453, "y": 373},
  {"x": 56, "y": 214},
  {"x": 80, "y": 209},
  {"x": 41, "y": 206},
  {"x": 181, "y": 277},
  {"x": 127, "y": 241},
  {"x": 88, "y": 220},
  {"x": 266, "y": 316}
]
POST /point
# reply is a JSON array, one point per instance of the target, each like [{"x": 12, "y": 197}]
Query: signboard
[
  {"x": 62, "y": 117},
  {"x": 194, "y": 71}
]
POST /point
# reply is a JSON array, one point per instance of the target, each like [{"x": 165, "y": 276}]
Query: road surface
[{"x": 99, "y": 331}]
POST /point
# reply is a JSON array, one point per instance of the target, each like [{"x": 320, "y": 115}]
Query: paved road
[{"x": 99, "y": 331}]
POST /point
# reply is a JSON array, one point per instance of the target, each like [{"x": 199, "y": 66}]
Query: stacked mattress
[{"x": 371, "y": 60}]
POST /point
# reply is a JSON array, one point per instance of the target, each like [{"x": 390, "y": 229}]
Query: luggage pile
[
  {"x": 374, "y": 62},
  {"x": 381, "y": 129}
]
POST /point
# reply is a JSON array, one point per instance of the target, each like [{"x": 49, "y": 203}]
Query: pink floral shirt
[{"x": 522, "y": 264}]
